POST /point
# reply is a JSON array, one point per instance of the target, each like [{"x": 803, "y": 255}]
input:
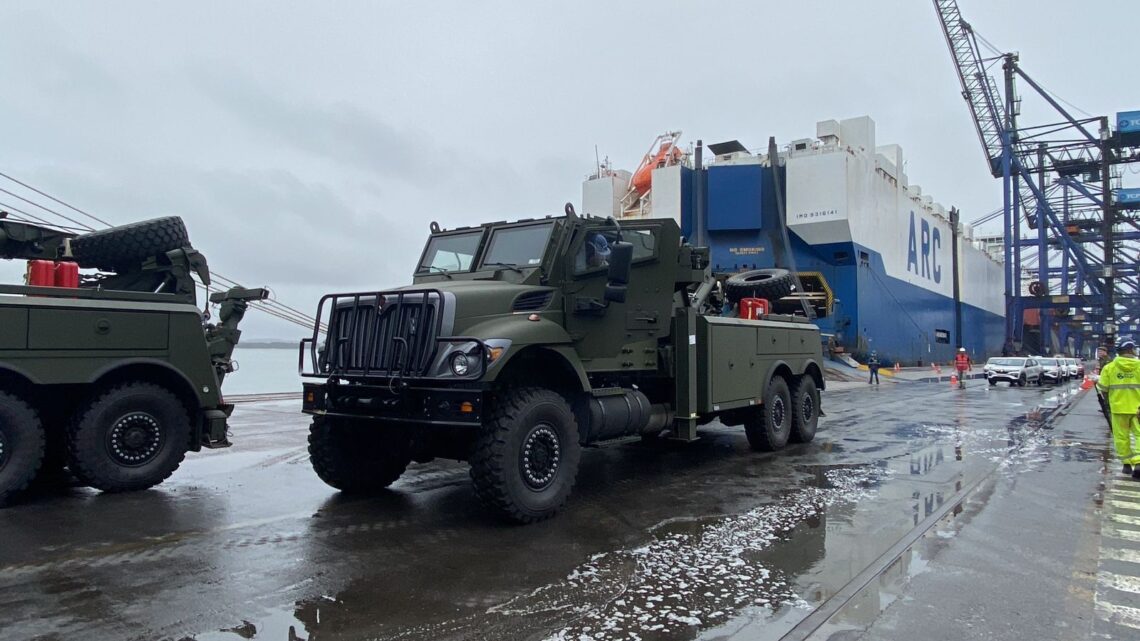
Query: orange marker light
[
  {"x": 466, "y": 407},
  {"x": 495, "y": 353}
]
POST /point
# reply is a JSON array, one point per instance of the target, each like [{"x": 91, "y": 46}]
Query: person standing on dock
[
  {"x": 1120, "y": 382},
  {"x": 873, "y": 365},
  {"x": 962, "y": 364}
]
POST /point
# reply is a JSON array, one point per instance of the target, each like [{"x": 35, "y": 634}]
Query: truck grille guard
[{"x": 392, "y": 335}]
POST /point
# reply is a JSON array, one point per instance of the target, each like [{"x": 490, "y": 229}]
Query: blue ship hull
[{"x": 871, "y": 310}]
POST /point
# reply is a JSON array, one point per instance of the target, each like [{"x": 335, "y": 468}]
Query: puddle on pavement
[{"x": 713, "y": 576}]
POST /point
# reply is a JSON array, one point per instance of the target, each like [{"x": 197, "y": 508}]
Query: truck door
[{"x": 617, "y": 335}]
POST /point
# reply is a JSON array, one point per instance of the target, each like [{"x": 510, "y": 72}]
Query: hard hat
[
  {"x": 1126, "y": 343},
  {"x": 961, "y": 349},
  {"x": 600, "y": 246}
]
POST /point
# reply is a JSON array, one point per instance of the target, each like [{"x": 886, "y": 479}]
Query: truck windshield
[
  {"x": 451, "y": 253},
  {"x": 518, "y": 246}
]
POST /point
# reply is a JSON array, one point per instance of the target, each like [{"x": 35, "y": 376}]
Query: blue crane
[{"x": 1057, "y": 179}]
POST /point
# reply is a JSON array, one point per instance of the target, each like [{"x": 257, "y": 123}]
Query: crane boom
[{"x": 978, "y": 87}]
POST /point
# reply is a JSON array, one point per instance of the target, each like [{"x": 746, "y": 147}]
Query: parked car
[
  {"x": 1054, "y": 370},
  {"x": 1015, "y": 370},
  {"x": 1071, "y": 366}
]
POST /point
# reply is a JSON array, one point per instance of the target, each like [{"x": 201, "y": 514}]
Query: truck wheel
[
  {"x": 128, "y": 245},
  {"x": 525, "y": 460},
  {"x": 805, "y": 410},
  {"x": 772, "y": 284},
  {"x": 130, "y": 437},
  {"x": 769, "y": 429},
  {"x": 21, "y": 445},
  {"x": 355, "y": 457}
]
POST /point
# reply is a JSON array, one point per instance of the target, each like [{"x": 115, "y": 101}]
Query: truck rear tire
[
  {"x": 130, "y": 437},
  {"x": 768, "y": 429},
  {"x": 356, "y": 457},
  {"x": 21, "y": 445},
  {"x": 805, "y": 410},
  {"x": 526, "y": 458},
  {"x": 772, "y": 284},
  {"x": 128, "y": 245}
]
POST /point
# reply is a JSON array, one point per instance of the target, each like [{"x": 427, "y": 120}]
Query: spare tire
[
  {"x": 126, "y": 246},
  {"x": 772, "y": 284}
]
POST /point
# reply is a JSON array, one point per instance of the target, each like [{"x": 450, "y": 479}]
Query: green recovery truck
[
  {"x": 114, "y": 374},
  {"x": 519, "y": 343}
]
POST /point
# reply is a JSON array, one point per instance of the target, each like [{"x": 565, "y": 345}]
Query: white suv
[
  {"x": 1055, "y": 370},
  {"x": 1015, "y": 370}
]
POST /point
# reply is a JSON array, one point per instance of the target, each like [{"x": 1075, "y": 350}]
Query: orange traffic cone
[
  {"x": 1087, "y": 384},
  {"x": 953, "y": 380}
]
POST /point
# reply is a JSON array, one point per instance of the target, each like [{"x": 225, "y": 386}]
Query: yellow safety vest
[{"x": 1120, "y": 382}]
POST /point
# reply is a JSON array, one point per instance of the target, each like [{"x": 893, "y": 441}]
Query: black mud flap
[{"x": 215, "y": 428}]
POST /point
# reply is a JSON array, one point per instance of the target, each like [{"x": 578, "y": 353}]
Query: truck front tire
[
  {"x": 21, "y": 445},
  {"x": 128, "y": 438},
  {"x": 805, "y": 410},
  {"x": 525, "y": 460},
  {"x": 768, "y": 429},
  {"x": 356, "y": 457}
]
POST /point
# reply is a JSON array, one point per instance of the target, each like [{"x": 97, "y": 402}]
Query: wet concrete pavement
[{"x": 659, "y": 541}]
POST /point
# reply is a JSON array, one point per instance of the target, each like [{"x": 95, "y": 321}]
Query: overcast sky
[{"x": 308, "y": 146}]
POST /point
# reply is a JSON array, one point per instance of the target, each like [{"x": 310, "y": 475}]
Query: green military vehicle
[
  {"x": 115, "y": 374},
  {"x": 521, "y": 342}
]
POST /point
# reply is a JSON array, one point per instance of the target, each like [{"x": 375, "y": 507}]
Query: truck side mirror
[{"x": 621, "y": 261}]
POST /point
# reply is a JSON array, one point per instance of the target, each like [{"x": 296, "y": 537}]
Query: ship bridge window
[{"x": 864, "y": 259}]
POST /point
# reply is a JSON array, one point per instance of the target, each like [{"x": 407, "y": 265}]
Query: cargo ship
[{"x": 874, "y": 254}]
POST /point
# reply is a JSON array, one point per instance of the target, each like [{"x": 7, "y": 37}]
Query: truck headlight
[{"x": 460, "y": 364}]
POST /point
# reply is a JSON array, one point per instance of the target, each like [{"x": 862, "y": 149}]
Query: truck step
[
  {"x": 621, "y": 440},
  {"x": 217, "y": 445}
]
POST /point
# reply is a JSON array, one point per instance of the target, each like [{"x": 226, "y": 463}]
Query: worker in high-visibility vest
[
  {"x": 963, "y": 364},
  {"x": 1120, "y": 383}
]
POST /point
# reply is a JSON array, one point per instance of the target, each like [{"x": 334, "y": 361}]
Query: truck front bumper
[{"x": 447, "y": 406}]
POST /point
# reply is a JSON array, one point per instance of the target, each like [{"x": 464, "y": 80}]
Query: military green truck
[
  {"x": 519, "y": 343},
  {"x": 114, "y": 374}
]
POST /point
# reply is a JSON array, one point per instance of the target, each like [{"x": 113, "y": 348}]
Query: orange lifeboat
[
  {"x": 667, "y": 153},
  {"x": 643, "y": 177}
]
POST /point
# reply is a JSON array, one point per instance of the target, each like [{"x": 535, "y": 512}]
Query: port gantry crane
[{"x": 1065, "y": 216}]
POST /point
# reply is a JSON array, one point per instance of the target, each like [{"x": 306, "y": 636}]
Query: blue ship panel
[
  {"x": 735, "y": 197},
  {"x": 1128, "y": 122},
  {"x": 688, "y": 200}
]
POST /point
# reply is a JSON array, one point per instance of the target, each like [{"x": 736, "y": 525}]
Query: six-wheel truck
[
  {"x": 115, "y": 374},
  {"x": 519, "y": 343}
]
